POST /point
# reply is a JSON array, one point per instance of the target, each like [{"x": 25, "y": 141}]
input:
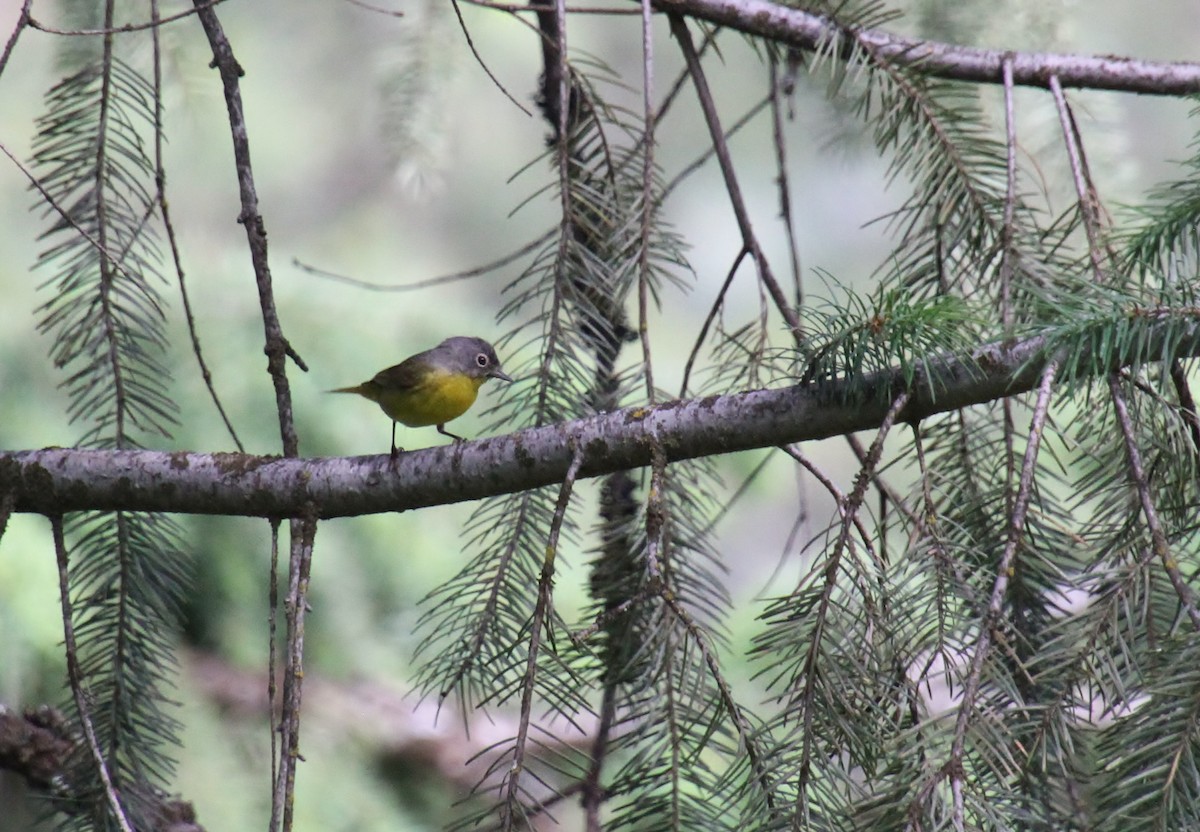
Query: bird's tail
[{"x": 358, "y": 389}]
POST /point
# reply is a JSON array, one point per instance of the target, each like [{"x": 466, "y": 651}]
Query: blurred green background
[{"x": 382, "y": 151}]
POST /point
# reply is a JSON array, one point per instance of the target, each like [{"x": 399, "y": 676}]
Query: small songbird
[{"x": 432, "y": 387}]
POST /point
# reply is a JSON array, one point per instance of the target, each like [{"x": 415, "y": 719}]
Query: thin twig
[
  {"x": 808, "y": 672},
  {"x": 995, "y": 609},
  {"x": 277, "y": 795},
  {"x": 64, "y": 213},
  {"x": 462, "y": 25},
  {"x": 557, "y": 83},
  {"x": 477, "y": 271},
  {"x": 75, "y": 676},
  {"x": 683, "y": 35},
  {"x": 1158, "y": 536},
  {"x": 153, "y": 23},
  {"x": 1006, "y": 271},
  {"x": 301, "y": 533},
  {"x": 660, "y": 582},
  {"x": 487, "y": 615},
  {"x": 702, "y": 159},
  {"x": 107, "y": 276},
  {"x": 747, "y": 737},
  {"x": 160, "y": 179},
  {"x": 541, "y": 615},
  {"x": 648, "y": 203},
  {"x": 893, "y": 496},
  {"x": 1088, "y": 202},
  {"x": 1010, "y": 197},
  {"x": 543, "y": 806},
  {"x": 606, "y": 617},
  {"x": 277, "y": 347},
  {"x": 373, "y": 8},
  {"x": 517, "y": 8},
  {"x": 839, "y": 497},
  {"x": 23, "y": 21},
  {"x": 717, "y": 304},
  {"x": 1088, "y": 205},
  {"x": 1187, "y": 403},
  {"x": 783, "y": 181}
]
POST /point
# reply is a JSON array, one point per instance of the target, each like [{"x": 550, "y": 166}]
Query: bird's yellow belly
[{"x": 437, "y": 400}]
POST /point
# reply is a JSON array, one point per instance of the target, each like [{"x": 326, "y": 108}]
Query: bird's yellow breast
[{"x": 438, "y": 398}]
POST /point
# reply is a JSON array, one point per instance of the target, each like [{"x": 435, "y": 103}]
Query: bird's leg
[
  {"x": 442, "y": 430},
  {"x": 395, "y": 451}
]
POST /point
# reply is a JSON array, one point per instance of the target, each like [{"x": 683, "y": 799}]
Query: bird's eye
[{"x": 481, "y": 360}]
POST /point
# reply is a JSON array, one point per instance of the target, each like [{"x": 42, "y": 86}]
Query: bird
[{"x": 434, "y": 386}]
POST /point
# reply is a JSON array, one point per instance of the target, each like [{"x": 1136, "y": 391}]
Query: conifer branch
[
  {"x": 76, "y": 677},
  {"x": 806, "y": 30},
  {"x": 37, "y": 746},
  {"x": 995, "y": 609},
  {"x": 56, "y": 479}
]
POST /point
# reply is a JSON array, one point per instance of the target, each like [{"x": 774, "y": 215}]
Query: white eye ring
[{"x": 481, "y": 360}]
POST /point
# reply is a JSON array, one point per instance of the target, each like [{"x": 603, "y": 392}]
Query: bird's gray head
[{"x": 472, "y": 356}]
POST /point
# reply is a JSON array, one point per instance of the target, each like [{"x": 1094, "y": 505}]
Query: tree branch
[
  {"x": 942, "y": 60},
  {"x": 57, "y": 480}
]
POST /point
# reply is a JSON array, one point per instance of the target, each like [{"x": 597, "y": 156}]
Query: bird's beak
[{"x": 500, "y": 374}]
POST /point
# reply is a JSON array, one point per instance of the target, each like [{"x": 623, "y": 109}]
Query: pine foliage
[
  {"x": 990, "y": 632},
  {"x": 105, "y": 314}
]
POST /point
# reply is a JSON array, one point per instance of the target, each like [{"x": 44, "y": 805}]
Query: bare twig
[
  {"x": 702, "y": 159},
  {"x": 748, "y": 740},
  {"x": 1187, "y": 403},
  {"x": 64, "y": 213},
  {"x": 1010, "y": 196},
  {"x": 648, "y": 202},
  {"x": 749, "y": 239},
  {"x": 1089, "y": 203},
  {"x": 23, "y": 21},
  {"x": 839, "y": 497},
  {"x": 713, "y": 310},
  {"x": 1092, "y": 221},
  {"x": 376, "y": 9},
  {"x": 160, "y": 178},
  {"x": 467, "y": 274},
  {"x": 541, "y": 615},
  {"x": 1141, "y": 481},
  {"x": 1006, "y": 271},
  {"x": 462, "y": 25},
  {"x": 779, "y": 88},
  {"x": 277, "y": 347},
  {"x": 153, "y": 23},
  {"x": 516, "y": 8},
  {"x": 891, "y": 494},
  {"x": 272, "y": 665},
  {"x": 106, "y": 264},
  {"x": 301, "y": 532}
]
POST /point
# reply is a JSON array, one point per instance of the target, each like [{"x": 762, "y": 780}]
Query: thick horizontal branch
[
  {"x": 809, "y": 31},
  {"x": 57, "y": 480}
]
